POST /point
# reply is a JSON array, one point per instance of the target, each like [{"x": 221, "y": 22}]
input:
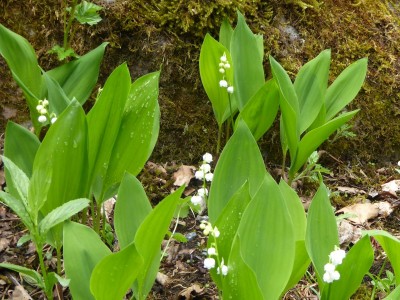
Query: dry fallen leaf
[
  {"x": 163, "y": 279},
  {"x": 192, "y": 290},
  {"x": 391, "y": 186},
  {"x": 4, "y": 243},
  {"x": 183, "y": 175},
  {"x": 108, "y": 207},
  {"x": 350, "y": 190},
  {"x": 366, "y": 211},
  {"x": 20, "y": 294},
  {"x": 348, "y": 233}
]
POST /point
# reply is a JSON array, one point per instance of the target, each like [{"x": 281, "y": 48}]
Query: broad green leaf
[
  {"x": 391, "y": 245},
  {"x": 32, "y": 274},
  {"x": 300, "y": 265},
  {"x": 61, "y": 165},
  {"x": 83, "y": 250},
  {"x": 240, "y": 161},
  {"x": 314, "y": 138},
  {"x": 86, "y": 13},
  {"x": 18, "y": 207},
  {"x": 63, "y": 151},
  {"x": 247, "y": 63},
  {"x": 225, "y": 34},
  {"x": 210, "y": 54},
  {"x": 285, "y": 85},
  {"x": 21, "y": 59},
  {"x": 131, "y": 208},
  {"x": 115, "y": 273},
  {"x": 148, "y": 245},
  {"x": 310, "y": 86},
  {"x": 322, "y": 233},
  {"x": 138, "y": 132},
  {"x": 104, "y": 121},
  {"x": 241, "y": 281},
  {"x": 19, "y": 180},
  {"x": 58, "y": 101},
  {"x": 355, "y": 265},
  {"x": 345, "y": 88},
  {"x": 298, "y": 216},
  {"x": 394, "y": 295},
  {"x": 20, "y": 146},
  {"x": 295, "y": 209},
  {"x": 290, "y": 111},
  {"x": 267, "y": 239},
  {"x": 260, "y": 112},
  {"x": 61, "y": 214},
  {"x": 78, "y": 77},
  {"x": 228, "y": 224}
]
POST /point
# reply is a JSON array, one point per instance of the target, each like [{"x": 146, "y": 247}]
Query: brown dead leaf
[
  {"x": 348, "y": 233},
  {"x": 391, "y": 186},
  {"x": 191, "y": 291},
  {"x": 367, "y": 211},
  {"x": 156, "y": 169},
  {"x": 4, "y": 243},
  {"x": 20, "y": 294},
  {"x": 350, "y": 190},
  {"x": 108, "y": 207},
  {"x": 163, "y": 279},
  {"x": 183, "y": 175}
]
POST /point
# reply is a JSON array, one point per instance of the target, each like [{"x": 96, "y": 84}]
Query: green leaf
[
  {"x": 86, "y": 13},
  {"x": 299, "y": 220},
  {"x": 58, "y": 100},
  {"x": 104, "y": 121},
  {"x": 19, "y": 180},
  {"x": 62, "y": 53},
  {"x": 83, "y": 250},
  {"x": 289, "y": 106},
  {"x": 355, "y": 265},
  {"x": 138, "y": 131},
  {"x": 260, "y": 112},
  {"x": 314, "y": 138},
  {"x": 391, "y": 246},
  {"x": 148, "y": 245},
  {"x": 63, "y": 156},
  {"x": 228, "y": 224},
  {"x": 247, "y": 63},
  {"x": 21, "y": 59},
  {"x": 322, "y": 233},
  {"x": 61, "y": 165},
  {"x": 18, "y": 207},
  {"x": 345, "y": 88},
  {"x": 78, "y": 77},
  {"x": 32, "y": 274},
  {"x": 210, "y": 54},
  {"x": 20, "y": 146},
  {"x": 240, "y": 161},
  {"x": 267, "y": 239},
  {"x": 131, "y": 208},
  {"x": 225, "y": 34},
  {"x": 61, "y": 214},
  {"x": 241, "y": 281},
  {"x": 115, "y": 273},
  {"x": 310, "y": 86},
  {"x": 394, "y": 295}
]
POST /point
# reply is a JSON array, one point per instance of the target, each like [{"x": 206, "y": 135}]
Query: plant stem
[
  {"x": 48, "y": 289},
  {"x": 58, "y": 253},
  {"x": 329, "y": 291},
  {"x": 219, "y": 138},
  {"x": 96, "y": 218},
  {"x": 67, "y": 29}
]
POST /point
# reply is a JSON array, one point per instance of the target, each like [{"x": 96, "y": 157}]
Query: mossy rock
[{"x": 167, "y": 34}]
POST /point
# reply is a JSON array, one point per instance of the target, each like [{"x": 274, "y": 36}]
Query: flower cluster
[
  {"x": 335, "y": 258},
  {"x": 204, "y": 173},
  {"x": 223, "y": 66},
  {"x": 212, "y": 253},
  {"x": 42, "y": 109}
]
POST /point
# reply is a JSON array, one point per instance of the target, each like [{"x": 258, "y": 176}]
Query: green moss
[{"x": 168, "y": 34}]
